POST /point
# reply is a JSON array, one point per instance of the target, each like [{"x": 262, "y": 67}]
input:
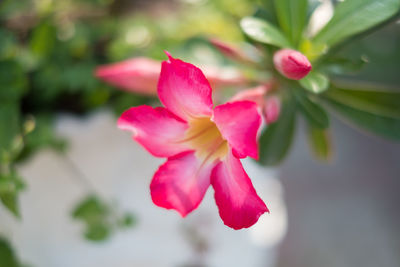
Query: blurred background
[{"x": 80, "y": 186}]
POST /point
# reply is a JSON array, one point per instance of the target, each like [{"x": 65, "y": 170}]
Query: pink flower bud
[
  {"x": 292, "y": 64},
  {"x": 140, "y": 75}
]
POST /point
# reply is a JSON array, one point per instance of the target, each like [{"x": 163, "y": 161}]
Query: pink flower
[
  {"x": 140, "y": 75},
  {"x": 203, "y": 146},
  {"x": 269, "y": 106},
  {"x": 292, "y": 64}
]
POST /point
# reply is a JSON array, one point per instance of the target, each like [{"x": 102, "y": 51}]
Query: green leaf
[
  {"x": 384, "y": 126},
  {"x": 9, "y": 125},
  {"x": 43, "y": 39},
  {"x": 339, "y": 65},
  {"x": 314, "y": 113},
  {"x": 10, "y": 186},
  {"x": 315, "y": 82},
  {"x": 100, "y": 218},
  {"x": 127, "y": 220},
  {"x": 95, "y": 214},
  {"x": 264, "y": 32},
  {"x": 320, "y": 142},
  {"x": 98, "y": 232},
  {"x": 91, "y": 209},
  {"x": 355, "y": 16},
  {"x": 292, "y": 16},
  {"x": 7, "y": 255},
  {"x": 380, "y": 102},
  {"x": 276, "y": 139},
  {"x": 12, "y": 81}
]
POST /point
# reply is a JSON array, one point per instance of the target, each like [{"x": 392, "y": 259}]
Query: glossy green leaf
[
  {"x": 384, "y": 126},
  {"x": 355, "y": 16},
  {"x": 314, "y": 112},
  {"x": 380, "y": 102},
  {"x": 276, "y": 139},
  {"x": 292, "y": 18},
  {"x": 320, "y": 142},
  {"x": 315, "y": 82},
  {"x": 264, "y": 32}
]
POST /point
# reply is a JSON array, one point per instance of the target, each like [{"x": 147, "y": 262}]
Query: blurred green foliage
[
  {"x": 100, "y": 219},
  {"x": 341, "y": 78},
  {"x": 7, "y": 255}
]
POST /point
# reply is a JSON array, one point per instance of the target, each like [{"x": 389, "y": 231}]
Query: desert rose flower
[
  {"x": 292, "y": 64},
  {"x": 140, "y": 75},
  {"x": 203, "y": 145}
]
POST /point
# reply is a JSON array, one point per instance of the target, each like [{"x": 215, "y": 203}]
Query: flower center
[{"x": 205, "y": 138}]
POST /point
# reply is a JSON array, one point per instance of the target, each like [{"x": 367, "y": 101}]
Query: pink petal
[
  {"x": 180, "y": 183},
  {"x": 156, "y": 129},
  {"x": 272, "y": 109},
  {"x": 139, "y": 75},
  {"x": 238, "y": 123},
  {"x": 237, "y": 200},
  {"x": 292, "y": 64},
  {"x": 184, "y": 90}
]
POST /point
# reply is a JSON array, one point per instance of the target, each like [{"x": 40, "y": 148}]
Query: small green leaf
[
  {"x": 127, "y": 220},
  {"x": 264, "y": 32},
  {"x": 100, "y": 218},
  {"x": 385, "y": 126},
  {"x": 320, "y": 142},
  {"x": 292, "y": 16},
  {"x": 10, "y": 186},
  {"x": 95, "y": 214},
  {"x": 276, "y": 139},
  {"x": 314, "y": 113},
  {"x": 315, "y": 82},
  {"x": 355, "y": 16},
  {"x": 91, "y": 209},
  {"x": 98, "y": 232},
  {"x": 380, "y": 102}
]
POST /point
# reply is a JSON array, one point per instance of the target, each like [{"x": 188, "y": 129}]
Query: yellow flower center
[{"x": 205, "y": 138}]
